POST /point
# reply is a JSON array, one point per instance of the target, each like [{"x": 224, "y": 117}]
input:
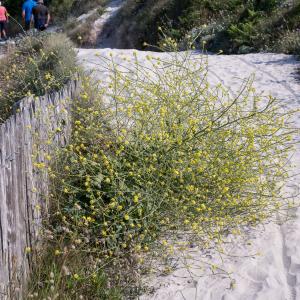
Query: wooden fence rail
[{"x": 23, "y": 189}]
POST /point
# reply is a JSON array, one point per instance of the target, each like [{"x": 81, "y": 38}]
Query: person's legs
[
  {"x": 36, "y": 25},
  {"x": 27, "y": 25},
  {"x": 4, "y": 30},
  {"x": 1, "y": 29},
  {"x": 40, "y": 25}
]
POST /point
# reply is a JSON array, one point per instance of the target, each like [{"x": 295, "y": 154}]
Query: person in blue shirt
[{"x": 27, "y": 12}]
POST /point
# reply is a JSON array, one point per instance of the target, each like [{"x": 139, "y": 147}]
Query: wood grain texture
[{"x": 23, "y": 187}]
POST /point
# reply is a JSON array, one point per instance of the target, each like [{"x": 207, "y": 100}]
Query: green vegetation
[
  {"x": 125, "y": 189},
  {"x": 38, "y": 65},
  {"x": 233, "y": 26},
  {"x": 73, "y": 8},
  {"x": 68, "y": 275}
]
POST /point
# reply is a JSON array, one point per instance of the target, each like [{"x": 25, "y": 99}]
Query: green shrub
[
  {"x": 288, "y": 43},
  {"x": 62, "y": 9},
  {"x": 38, "y": 65},
  {"x": 244, "y": 33},
  {"x": 150, "y": 160},
  {"x": 266, "y": 5},
  {"x": 233, "y": 26},
  {"x": 140, "y": 19}
]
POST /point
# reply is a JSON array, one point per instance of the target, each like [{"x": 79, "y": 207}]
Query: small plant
[
  {"x": 68, "y": 274},
  {"x": 289, "y": 43}
]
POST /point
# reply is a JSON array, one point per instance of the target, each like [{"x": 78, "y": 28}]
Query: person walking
[
  {"x": 41, "y": 16},
  {"x": 27, "y": 8},
  {"x": 3, "y": 21}
]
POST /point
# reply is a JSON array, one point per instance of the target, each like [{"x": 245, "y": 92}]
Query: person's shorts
[
  {"x": 2, "y": 25},
  {"x": 27, "y": 25},
  {"x": 40, "y": 25}
]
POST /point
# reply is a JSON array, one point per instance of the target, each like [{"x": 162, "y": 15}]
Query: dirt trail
[{"x": 102, "y": 33}]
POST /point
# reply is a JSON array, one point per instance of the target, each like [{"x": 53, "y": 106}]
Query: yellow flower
[
  {"x": 112, "y": 205},
  {"x": 126, "y": 217},
  {"x": 136, "y": 199},
  {"x": 176, "y": 172},
  {"x": 47, "y": 76},
  {"x": 225, "y": 189},
  {"x": 76, "y": 276}
]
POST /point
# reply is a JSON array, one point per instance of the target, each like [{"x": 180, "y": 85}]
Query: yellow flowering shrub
[{"x": 156, "y": 152}]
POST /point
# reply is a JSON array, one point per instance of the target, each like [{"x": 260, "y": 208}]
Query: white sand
[{"x": 275, "y": 273}]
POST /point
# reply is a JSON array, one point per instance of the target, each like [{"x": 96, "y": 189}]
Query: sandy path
[
  {"x": 101, "y": 34},
  {"x": 274, "y": 273}
]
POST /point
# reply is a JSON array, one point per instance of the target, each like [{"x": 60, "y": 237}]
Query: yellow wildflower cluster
[{"x": 158, "y": 155}]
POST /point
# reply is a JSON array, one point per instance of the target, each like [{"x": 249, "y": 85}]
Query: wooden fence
[{"x": 23, "y": 188}]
